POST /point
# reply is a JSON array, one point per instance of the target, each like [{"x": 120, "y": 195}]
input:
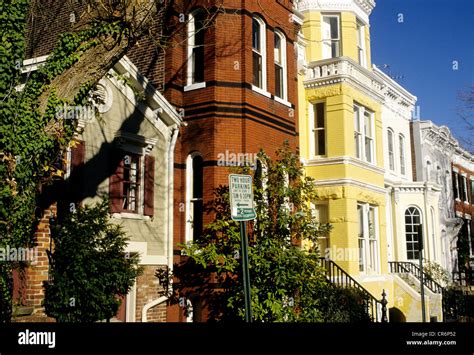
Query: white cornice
[
  {"x": 361, "y": 8},
  {"x": 343, "y": 160},
  {"x": 350, "y": 182}
]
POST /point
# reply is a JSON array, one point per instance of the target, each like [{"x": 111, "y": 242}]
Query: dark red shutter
[
  {"x": 149, "y": 185},
  {"x": 115, "y": 185},
  {"x": 78, "y": 154}
]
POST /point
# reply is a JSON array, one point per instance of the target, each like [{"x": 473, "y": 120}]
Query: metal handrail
[
  {"x": 336, "y": 275},
  {"x": 413, "y": 269}
]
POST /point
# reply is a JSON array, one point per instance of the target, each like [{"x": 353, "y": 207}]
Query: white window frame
[
  {"x": 402, "y": 152},
  {"x": 465, "y": 191},
  {"x": 361, "y": 135},
  {"x": 189, "y": 233},
  {"x": 391, "y": 152},
  {"x": 322, "y": 239},
  {"x": 370, "y": 242},
  {"x": 405, "y": 230},
  {"x": 361, "y": 51},
  {"x": 262, "y": 54},
  {"x": 283, "y": 65},
  {"x": 191, "y": 31},
  {"x": 324, "y": 41},
  {"x": 313, "y": 129}
]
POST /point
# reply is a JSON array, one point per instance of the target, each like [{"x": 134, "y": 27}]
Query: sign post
[
  {"x": 242, "y": 210},
  {"x": 420, "y": 256}
]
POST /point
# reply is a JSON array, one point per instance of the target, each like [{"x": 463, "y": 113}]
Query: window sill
[
  {"x": 282, "y": 101},
  {"x": 194, "y": 86},
  {"x": 129, "y": 215},
  {"x": 261, "y": 91}
]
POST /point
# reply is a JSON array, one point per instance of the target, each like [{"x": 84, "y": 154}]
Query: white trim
[
  {"x": 338, "y": 182},
  {"x": 261, "y": 91},
  {"x": 263, "y": 54},
  {"x": 130, "y": 305},
  {"x": 284, "y": 66},
  {"x": 283, "y": 102},
  {"x": 361, "y": 8},
  {"x": 194, "y": 86},
  {"x": 142, "y": 249},
  {"x": 33, "y": 64},
  {"x": 343, "y": 160}
]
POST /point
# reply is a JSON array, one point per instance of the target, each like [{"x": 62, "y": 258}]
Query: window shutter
[
  {"x": 149, "y": 185},
  {"x": 115, "y": 185},
  {"x": 78, "y": 153}
]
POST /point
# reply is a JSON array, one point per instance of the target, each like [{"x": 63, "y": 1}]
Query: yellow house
[{"x": 341, "y": 143}]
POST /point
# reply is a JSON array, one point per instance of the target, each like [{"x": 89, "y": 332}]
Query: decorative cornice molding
[
  {"x": 362, "y": 8},
  {"x": 343, "y": 160},
  {"x": 350, "y": 182}
]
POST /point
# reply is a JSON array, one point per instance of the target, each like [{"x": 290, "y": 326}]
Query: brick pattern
[
  {"x": 37, "y": 273},
  {"x": 147, "y": 291},
  {"x": 227, "y": 114}
]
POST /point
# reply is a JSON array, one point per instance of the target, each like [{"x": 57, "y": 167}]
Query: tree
[
  {"x": 287, "y": 281},
  {"x": 33, "y": 138},
  {"x": 89, "y": 267}
]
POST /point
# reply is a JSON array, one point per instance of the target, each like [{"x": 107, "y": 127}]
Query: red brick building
[
  {"x": 235, "y": 85},
  {"x": 463, "y": 188}
]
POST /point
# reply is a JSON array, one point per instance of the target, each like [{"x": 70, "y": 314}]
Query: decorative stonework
[
  {"x": 362, "y": 8},
  {"x": 104, "y": 96}
]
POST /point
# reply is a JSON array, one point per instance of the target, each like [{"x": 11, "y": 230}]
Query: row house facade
[
  {"x": 439, "y": 158},
  {"x": 235, "y": 85},
  {"x": 355, "y": 140}
]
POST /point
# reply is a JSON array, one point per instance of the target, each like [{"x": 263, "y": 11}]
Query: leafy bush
[{"x": 89, "y": 268}]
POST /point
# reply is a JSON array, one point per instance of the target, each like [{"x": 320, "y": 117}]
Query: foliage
[
  {"x": 89, "y": 268},
  {"x": 33, "y": 137},
  {"x": 437, "y": 273},
  {"x": 287, "y": 281}
]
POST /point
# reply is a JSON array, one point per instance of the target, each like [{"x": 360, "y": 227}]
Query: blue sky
[{"x": 422, "y": 48}]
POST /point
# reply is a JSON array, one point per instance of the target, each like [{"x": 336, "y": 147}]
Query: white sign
[{"x": 241, "y": 197}]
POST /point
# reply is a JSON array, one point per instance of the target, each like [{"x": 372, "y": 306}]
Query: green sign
[{"x": 241, "y": 197}]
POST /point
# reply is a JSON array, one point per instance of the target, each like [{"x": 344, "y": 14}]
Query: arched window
[
  {"x": 401, "y": 140},
  {"x": 391, "y": 153},
  {"x": 428, "y": 169},
  {"x": 259, "y": 53},
  {"x": 196, "y": 35},
  {"x": 280, "y": 66},
  {"x": 412, "y": 221},
  {"x": 194, "y": 194}
]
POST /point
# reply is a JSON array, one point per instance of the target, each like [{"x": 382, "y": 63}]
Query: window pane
[
  {"x": 368, "y": 124},
  {"x": 197, "y": 177},
  {"x": 334, "y": 27},
  {"x": 197, "y": 221},
  {"x": 319, "y": 115},
  {"x": 256, "y": 35},
  {"x": 320, "y": 142},
  {"x": 368, "y": 149},
  {"x": 278, "y": 81},
  {"x": 257, "y": 69},
  {"x": 277, "y": 48}
]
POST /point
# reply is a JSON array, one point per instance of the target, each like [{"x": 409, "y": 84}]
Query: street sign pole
[
  {"x": 245, "y": 272},
  {"x": 242, "y": 210},
  {"x": 422, "y": 286}
]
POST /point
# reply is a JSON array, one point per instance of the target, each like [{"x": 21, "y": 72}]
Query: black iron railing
[
  {"x": 463, "y": 278},
  {"x": 337, "y": 276},
  {"x": 406, "y": 267}
]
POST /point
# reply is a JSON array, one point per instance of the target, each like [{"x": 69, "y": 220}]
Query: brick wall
[
  {"x": 227, "y": 114},
  {"x": 147, "y": 291}
]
